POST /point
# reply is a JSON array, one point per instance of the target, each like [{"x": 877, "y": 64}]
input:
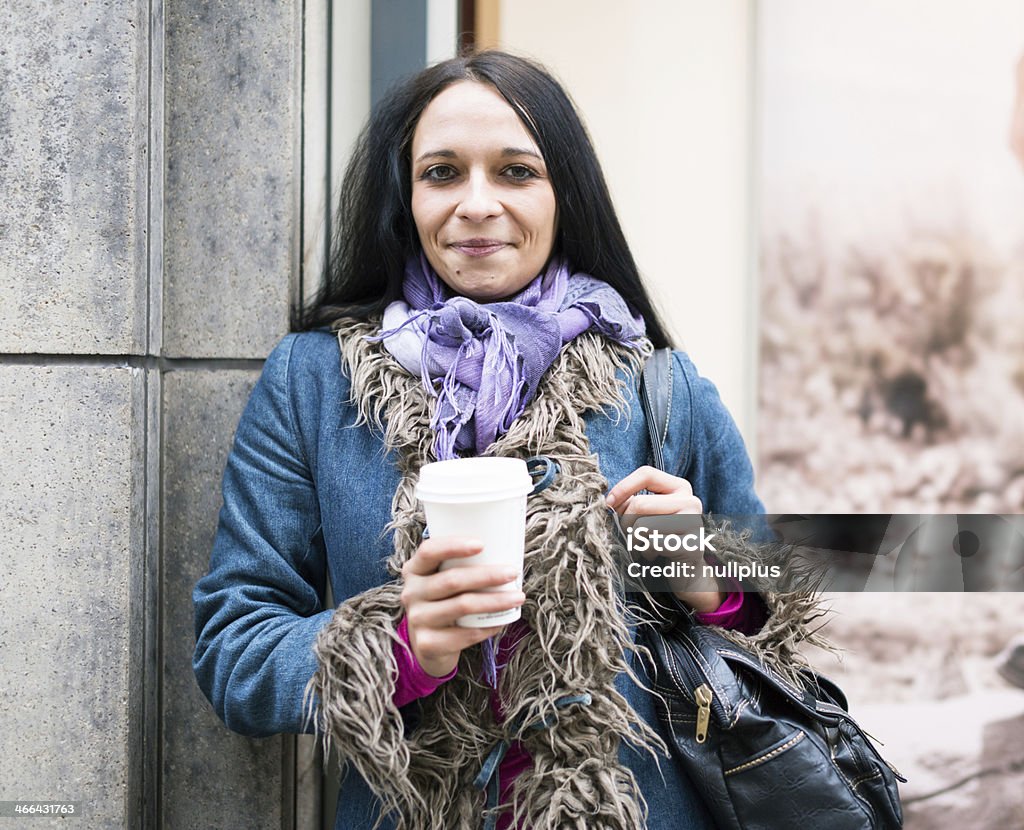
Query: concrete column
[
  {"x": 232, "y": 102},
  {"x": 73, "y": 177},
  {"x": 149, "y": 233},
  {"x": 71, "y": 584},
  {"x": 74, "y": 161}
]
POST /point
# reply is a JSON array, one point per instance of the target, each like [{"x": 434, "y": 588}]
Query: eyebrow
[
  {"x": 506, "y": 152},
  {"x": 520, "y": 151}
]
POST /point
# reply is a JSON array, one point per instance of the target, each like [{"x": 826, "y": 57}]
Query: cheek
[
  {"x": 537, "y": 216},
  {"x": 424, "y": 213},
  {"x": 547, "y": 212},
  {"x": 553, "y": 223}
]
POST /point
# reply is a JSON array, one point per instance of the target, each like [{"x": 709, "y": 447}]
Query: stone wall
[{"x": 149, "y": 236}]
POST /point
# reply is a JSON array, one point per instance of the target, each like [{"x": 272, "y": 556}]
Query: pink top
[{"x": 412, "y": 682}]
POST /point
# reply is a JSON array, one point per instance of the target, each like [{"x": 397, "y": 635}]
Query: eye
[
  {"x": 519, "y": 172},
  {"x": 438, "y": 173}
]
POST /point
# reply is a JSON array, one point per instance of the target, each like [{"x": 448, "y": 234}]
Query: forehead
[{"x": 469, "y": 113}]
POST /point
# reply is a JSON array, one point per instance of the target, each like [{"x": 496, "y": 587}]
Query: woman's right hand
[{"x": 435, "y": 599}]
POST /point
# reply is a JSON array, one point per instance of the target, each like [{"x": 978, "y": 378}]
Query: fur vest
[{"x": 579, "y": 639}]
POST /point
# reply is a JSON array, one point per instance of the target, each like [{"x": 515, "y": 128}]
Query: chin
[
  {"x": 482, "y": 289},
  {"x": 483, "y": 294}
]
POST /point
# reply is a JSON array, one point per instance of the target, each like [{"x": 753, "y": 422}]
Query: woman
[{"x": 481, "y": 298}]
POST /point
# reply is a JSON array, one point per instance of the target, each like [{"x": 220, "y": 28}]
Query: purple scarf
[{"x": 485, "y": 361}]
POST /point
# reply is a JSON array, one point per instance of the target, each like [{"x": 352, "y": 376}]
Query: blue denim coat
[{"x": 306, "y": 497}]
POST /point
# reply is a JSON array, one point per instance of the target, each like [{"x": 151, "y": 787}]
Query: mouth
[{"x": 478, "y": 247}]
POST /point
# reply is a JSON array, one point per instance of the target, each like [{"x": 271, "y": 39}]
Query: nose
[{"x": 478, "y": 199}]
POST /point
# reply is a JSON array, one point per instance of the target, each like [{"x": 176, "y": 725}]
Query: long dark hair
[{"x": 375, "y": 233}]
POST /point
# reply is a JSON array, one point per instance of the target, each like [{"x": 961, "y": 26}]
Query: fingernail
[
  {"x": 509, "y": 575},
  {"x": 609, "y": 499}
]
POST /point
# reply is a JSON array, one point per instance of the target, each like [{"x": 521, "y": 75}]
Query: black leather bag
[{"x": 763, "y": 753}]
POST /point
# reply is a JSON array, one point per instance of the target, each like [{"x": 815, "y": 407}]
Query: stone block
[
  {"x": 231, "y": 176},
  {"x": 71, "y": 518},
  {"x": 73, "y": 177},
  {"x": 212, "y": 777}
]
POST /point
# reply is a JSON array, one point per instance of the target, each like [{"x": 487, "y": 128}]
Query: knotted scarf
[{"x": 484, "y": 361}]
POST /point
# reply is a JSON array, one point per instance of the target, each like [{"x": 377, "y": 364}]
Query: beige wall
[{"x": 664, "y": 87}]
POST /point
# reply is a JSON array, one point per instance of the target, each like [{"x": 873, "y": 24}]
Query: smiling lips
[{"x": 478, "y": 247}]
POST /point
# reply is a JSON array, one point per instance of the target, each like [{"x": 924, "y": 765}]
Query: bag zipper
[{"x": 703, "y": 695}]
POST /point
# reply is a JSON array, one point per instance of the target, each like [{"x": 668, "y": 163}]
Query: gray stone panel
[
  {"x": 72, "y": 539},
  {"x": 73, "y": 177},
  {"x": 309, "y": 785},
  {"x": 231, "y": 176},
  {"x": 212, "y": 777}
]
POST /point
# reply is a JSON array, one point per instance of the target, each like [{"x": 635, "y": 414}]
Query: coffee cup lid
[{"x": 474, "y": 479}]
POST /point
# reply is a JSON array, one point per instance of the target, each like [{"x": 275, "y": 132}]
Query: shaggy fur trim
[
  {"x": 796, "y": 611},
  {"x": 578, "y": 638}
]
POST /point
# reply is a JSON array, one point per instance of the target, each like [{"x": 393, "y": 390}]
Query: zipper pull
[{"x": 702, "y": 694}]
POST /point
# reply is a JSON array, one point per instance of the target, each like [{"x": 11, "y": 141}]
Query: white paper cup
[{"x": 484, "y": 498}]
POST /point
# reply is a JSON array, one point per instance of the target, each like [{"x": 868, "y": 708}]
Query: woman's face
[{"x": 481, "y": 199}]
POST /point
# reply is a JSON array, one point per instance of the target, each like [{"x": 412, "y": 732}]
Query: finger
[
  {"x": 443, "y": 613},
  {"x": 646, "y": 478},
  {"x": 453, "y": 581},
  {"x": 661, "y": 505},
  {"x": 643, "y": 509},
  {"x": 432, "y": 552}
]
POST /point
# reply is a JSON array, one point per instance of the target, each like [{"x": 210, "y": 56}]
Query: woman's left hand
[{"x": 667, "y": 495}]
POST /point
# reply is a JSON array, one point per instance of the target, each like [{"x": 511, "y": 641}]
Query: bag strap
[
  {"x": 655, "y": 400},
  {"x": 656, "y": 403},
  {"x": 711, "y": 652}
]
